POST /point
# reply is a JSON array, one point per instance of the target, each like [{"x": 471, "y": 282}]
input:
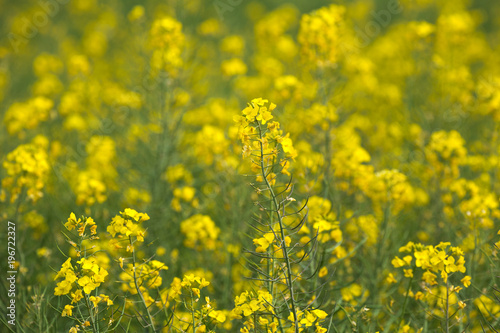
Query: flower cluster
[
  {"x": 309, "y": 318},
  {"x": 167, "y": 41},
  {"x": 380, "y": 126},
  {"x": 442, "y": 259},
  {"x": 27, "y": 169},
  {"x": 446, "y": 152},
  {"x": 89, "y": 273},
  {"x": 251, "y": 304},
  {"x": 22, "y": 116},
  {"x": 201, "y": 232},
  {"x": 263, "y": 244},
  {"x": 80, "y": 226},
  {"x": 194, "y": 284},
  {"x": 440, "y": 295},
  {"x": 91, "y": 184},
  {"x": 89, "y": 188},
  {"x": 211, "y": 146},
  {"x": 321, "y": 222},
  {"x": 479, "y": 205},
  {"x": 184, "y": 194},
  {"x": 272, "y": 141},
  {"x": 80, "y": 280},
  {"x": 128, "y": 225},
  {"x": 146, "y": 276},
  {"x": 199, "y": 317},
  {"x": 321, "y": 34},
  {"x": 391, "y": 187}
]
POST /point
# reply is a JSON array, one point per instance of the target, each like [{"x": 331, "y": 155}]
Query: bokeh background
[{"x": 393, "y": 108}]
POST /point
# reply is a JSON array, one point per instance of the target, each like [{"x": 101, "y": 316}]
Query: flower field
[{"x": 250, "y": 166}]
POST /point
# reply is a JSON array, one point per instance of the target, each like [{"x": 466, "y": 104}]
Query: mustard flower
[
  {"x": 200, "y": 232},
  {"x": 27, "y": 168}
]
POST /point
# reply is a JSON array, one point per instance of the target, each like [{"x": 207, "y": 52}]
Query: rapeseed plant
[{"x": 382, "y": 131}]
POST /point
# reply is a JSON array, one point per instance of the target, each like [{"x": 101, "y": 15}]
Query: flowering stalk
[
  {"x": 283, "y": 246},
  {"x": 151, "y": 323},
  {"x": 129, "y": 225},
  {"x": 435, "y": 265},
  {"x": 192, "y": 314},
  {"x": 405, "y": 302},
  {"x": 92, "y": 320},
  {"x": 447, "y": 307},
  {"x": 189, "y": 289},
  {"x": 271, "y": 152},
  {"x": 87, "y": 275}
]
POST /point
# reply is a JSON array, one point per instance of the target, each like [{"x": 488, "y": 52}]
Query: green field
[{"x": 250, "y": 166}]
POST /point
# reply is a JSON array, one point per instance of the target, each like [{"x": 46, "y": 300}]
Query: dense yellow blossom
[
  {"x": 201, "y": 232},
  {"x": 284, "y": 151},
  {"x": 27, "y": 169}
]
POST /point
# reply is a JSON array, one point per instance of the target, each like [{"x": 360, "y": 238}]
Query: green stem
[
  {"x": 447, "y": 310},
  {"x": 19, "y": 200},
  {"x": 192, "y": 313},
  {"x": 405, "y": 302},
  {"x": 94, "y": 329},
  {"x": 351, "y": 322},
  {"x": 137, "y": 286},
  {"x": 87, "y": 304}
]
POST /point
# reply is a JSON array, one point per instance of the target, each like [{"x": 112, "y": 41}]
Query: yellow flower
[
  {"x": 390, "y": 278},
  {"x": 308, "y": 319},
  {"x": 288, "y": 149},
  {"x": 429, "y": 278},
  {"x": 218, "y": 315},
  {"x": 87, "y": 284},
  {"x": 320, "y": 314},
  {"x": 351, "y": 292},
  {"x": 264, "y": 242},
  {"x": 323, "y": 272},
  {"x": 397, "y": 262},
  {"x": 250, "y": 112},
  {"x": 265, "y": 115},
  {"x": 466, "y": 281},
  {"x": 419, "y": 295},
  {"x": 63, "y": 288},
  {"x": 64, "y": 269},
  {"x": 67, "y": 311},
  {"x": 105, "y": 298},
  {"x": 234, "y": 66},
  {"x": 76, "y": 296},
  {"x": 72, "y": 222},
  {"x": 408, "y": 273},
  {"x": 120, "y": 260},
  {"x": 136, "y": 13},
  {"x": 320, "y": 36},
  {"x": 320, "y": 329},
  {"x": 201, "y": 232},
  {"x": 128, "y": 225},
  {"x": 94, "y": 300}
]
